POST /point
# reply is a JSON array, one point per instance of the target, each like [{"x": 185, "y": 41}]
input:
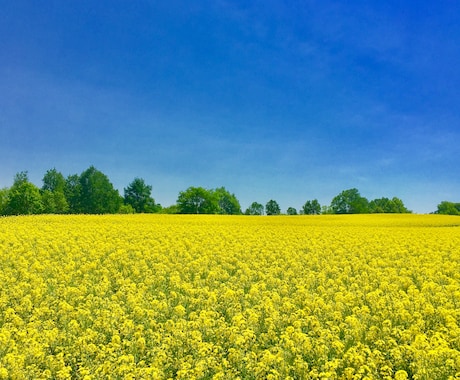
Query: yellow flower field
[{"x": 230, "y": 297}]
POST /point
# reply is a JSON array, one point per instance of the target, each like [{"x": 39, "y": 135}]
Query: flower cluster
[{"x": 219, "y": 297}]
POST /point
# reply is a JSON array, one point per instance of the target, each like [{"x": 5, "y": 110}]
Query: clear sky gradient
[{"x": 284, "y": 100}]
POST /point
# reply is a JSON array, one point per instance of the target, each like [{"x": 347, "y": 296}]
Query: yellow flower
[
  {"x": 186, "y": 296},
  {"x": 401, "y": 375},
  {"x": 3, "y": 373}
]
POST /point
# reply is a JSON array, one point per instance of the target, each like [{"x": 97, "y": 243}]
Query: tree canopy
[
  {"x": 312, "y": 207},
  {"x": 53, "y": 193},
  {"x": 198, "y": 200},
  {"x": 272, "y": 208},
  {"x": 349, "y": 202},
  {"x": 255, "y": 209},
  {"x": 97, "y": 194},
  {"x": 139, "y": 195},
  {"x": 291, "y": 211},
  {"x": 385, "y": 205},
  {"x": 227, "y": 203},
  {"x": 23, "y": 197},
  {"x": 448, "y": 208}
]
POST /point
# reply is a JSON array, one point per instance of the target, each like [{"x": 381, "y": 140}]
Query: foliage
[
  {"x": 54, "y": 202},
  {"x": 255, "y": 209},
  {"x": 72, "y": 191},
  {"x": 91, "y": 193},
  {"x": 173, "y": 209},
  {"x": 3, "y": 200},
  {"x": 20, "y": 178},
  {"x": 272, "y": 208},
  {"x": 126, "y": 209},
  {"x": 385, "y": 205},
  {"x": 312, "y": 207},
  {"x": 227, "y": 203},
  {"x": 188, "y": 297},
  {"x": 448, "y": 208},
  {"x": 291, "y": 211},
  {"x": 53, "y": 193},
  {"x": 97, "y": 194},
  {"x": 326, "y": 210},
  {"x": 197, "y": 200},
  {"x": 23, "y": 197},
  {"x": 139, "y": 195},
  {"x": 53, "y": 181},
  {"x": 349, "y": 202}
]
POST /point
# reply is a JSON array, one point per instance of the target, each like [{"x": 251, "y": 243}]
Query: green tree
[
  {"x": 53, "y": 181},
  {"x": 173, "y": 209},
  {"x": 255, "y": 209},
  {"x": 349, "y": 202},
  {"x": 326, "y": 210},
  {"x": 386, "y": 205},
  {"x": 126, "y": 209},
  {"x": 197, "y": 200},
  {"x": 448, "y": 208},
  {"x": 54, "y": 202},
  {"x": 379, "y": 205},
  {"x": 272, "y": 208},
  {"x": 98, "y": 195},
  {"x": 20, "y": 178},
  {"x": 72, "y": 191},
  {"x": 53, "y": 193},
  {"x": 227, "y": 203},
  {"x": 312, "y": 207},
  {"x": 397, "y": 206},
  {"x": 3, "y": 200},
  {"x": 291, "y": 211},
  {"x": 139, "y": 195},
  {"x": 24, "y": 197}
]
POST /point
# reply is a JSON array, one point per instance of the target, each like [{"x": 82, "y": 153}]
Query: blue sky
[{"x": 285, "y": 100}]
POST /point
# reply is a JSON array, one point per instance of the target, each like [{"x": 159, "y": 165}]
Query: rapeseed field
[{"x": 230, "y": 297}]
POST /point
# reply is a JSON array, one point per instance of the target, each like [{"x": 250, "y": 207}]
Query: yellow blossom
[{"x": 193, "y": 296}]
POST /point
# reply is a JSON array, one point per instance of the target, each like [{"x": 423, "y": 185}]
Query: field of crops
[{"x": 215, "y": 297}]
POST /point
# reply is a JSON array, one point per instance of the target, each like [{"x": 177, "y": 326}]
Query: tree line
[{"x": 91, "y": 192}]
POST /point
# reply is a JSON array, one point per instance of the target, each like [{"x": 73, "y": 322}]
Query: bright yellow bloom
[{"x": 230, "y": 297}]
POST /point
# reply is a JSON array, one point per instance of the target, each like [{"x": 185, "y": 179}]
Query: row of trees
[
  {"x": 91, "y": 192},
  {"x": 347, "y": 202}
]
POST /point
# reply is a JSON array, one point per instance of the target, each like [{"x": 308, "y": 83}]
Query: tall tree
[
  {"x": 53, "y": 181},
  {"x": 349, "y": 202},
  {"x": 72, "y": 191},
  {"x": 398, "y": 206},
  {"x": 139, "y": 195},
  {"x": 20, "y": 178},
  {"x": 312, "y": 207},
  {"x": 98, "y": 195},
  {"x": 227, "y": 203},
  {"x": 197, "y": 200},
  {"x": 53, "y": 192},
  {"x": 255, "y": 209},
  {"x": 23, "y": 197},
  {"x": 272, "y": 208}
]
